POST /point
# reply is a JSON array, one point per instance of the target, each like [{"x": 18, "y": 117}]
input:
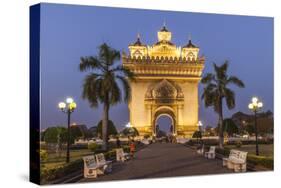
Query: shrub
[
  {"x": 146, "y": 136},
  {"x": 126, "y": 149},
  {"x": 93, "y": 146},
  {"x": 238, "y": 144},
  {"x": 50, "y": 174},
  {"x": 43, "y": 155},
  {"x": 267, "y": 162},
  {"x": 197, "y": 134},
  {"x": 211, "y": 142},
  {"x": 110, "y": 154},
  {"x": 224, "y": 152}
]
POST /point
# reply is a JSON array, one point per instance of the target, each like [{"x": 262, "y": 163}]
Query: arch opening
[{"x": 164, "y": 125}]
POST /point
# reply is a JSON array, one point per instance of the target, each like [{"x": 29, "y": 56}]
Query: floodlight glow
[{"x": 128, "y": 125}]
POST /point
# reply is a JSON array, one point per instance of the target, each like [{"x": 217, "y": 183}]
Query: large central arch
[{"x": 164, "y": 111}]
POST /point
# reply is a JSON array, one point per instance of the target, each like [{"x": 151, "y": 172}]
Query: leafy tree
[
  {"x": 101, "y": 84},
  {"x": 55, "y": 135},
  {"x": 111, "y": 130},
  {"x": 250, "y": 128},
  {"x": 75, "y": 132},
  {"x": 210, "y": 131},
  {"x": 130, "y": 131},
  {"x": 229, "y": 126},
  {"x": 217, "y": 89},
  {"x": 52, "y": 134},
  {"x": 197, "y": 134}
]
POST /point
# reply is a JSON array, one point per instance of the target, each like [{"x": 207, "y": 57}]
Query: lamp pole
[
  {"x": 254, "y": 106},
  {"x": 67, "y": 108}
]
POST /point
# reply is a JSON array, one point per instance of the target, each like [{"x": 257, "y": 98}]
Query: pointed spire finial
[
  {"x": 189, "y": 37},
  {"x": 138, "y": 35},
  {"x": 164, "y": 23}
]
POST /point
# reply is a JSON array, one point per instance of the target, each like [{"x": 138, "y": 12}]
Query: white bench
[
  {"x": 237, "y": 161},
  {"x": 200, "y": 151},
  {"x": 181, "y": 140},
  {"x": 121, "y": 155},
  {"x": 211, "y": 154},
  {"x": 90, "y": 167},
  {"x": 145, "y": 141},
  {"x": 107, "y": 165}
]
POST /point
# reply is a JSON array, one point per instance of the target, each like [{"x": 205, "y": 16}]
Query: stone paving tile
[{"x": 163, "y": 160}]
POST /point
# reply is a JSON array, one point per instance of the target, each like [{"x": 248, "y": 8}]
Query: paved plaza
[{"x": 163, "y": 160}]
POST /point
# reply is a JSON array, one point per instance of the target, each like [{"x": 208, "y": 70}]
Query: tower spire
[{"x": 189, "y": 37}]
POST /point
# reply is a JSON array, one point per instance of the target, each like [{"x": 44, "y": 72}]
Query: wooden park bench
[
  {"x": 211, "y": 154},
  {"x": 121, "y": 155},
  {"x": 106, "y": 165},
  {"x": 237, "y": 161}
]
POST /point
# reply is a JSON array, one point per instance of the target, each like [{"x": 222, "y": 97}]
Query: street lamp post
[
  {"x": 255, "y": 106},
  {"x": 67, "y": 107}
]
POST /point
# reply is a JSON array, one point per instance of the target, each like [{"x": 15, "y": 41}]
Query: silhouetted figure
[
  {"x": 118, "y": 143},
  {"x": 132, "y": 148}
]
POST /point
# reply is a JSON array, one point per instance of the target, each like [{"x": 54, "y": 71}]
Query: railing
[{"x": 162, "y": 59}]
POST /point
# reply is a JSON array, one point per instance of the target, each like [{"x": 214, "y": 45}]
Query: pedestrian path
[{"x": 163, "y": 160}]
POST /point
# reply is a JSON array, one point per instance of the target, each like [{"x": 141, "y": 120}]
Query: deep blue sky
[{"x": 69, "y": 32}]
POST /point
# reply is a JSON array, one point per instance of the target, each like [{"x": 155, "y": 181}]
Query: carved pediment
[{"x": 164, "y": 90}]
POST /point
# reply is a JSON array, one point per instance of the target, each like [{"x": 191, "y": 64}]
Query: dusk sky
[{"x": 70, "y": 32}]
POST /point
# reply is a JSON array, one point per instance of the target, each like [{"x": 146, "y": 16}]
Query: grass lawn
[
  {"x": 264, "y": 149},
  {"x": 54, "y": 160}
]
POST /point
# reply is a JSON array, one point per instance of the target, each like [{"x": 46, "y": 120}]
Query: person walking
[
  {"x": 118, "y": 144},
  {"x": 132, "y": 148}
]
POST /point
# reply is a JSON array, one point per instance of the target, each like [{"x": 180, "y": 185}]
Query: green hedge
[
  {"x": 249, "y": 142},
  {"x": 49, "y": 174},
  {"x": 267, "y": 162}
]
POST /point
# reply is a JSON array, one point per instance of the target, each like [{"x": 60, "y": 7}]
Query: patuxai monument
[{"x": 167, "y": 78}]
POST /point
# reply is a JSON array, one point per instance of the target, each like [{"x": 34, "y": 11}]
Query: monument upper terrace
[{"x": 158, "y": 58}]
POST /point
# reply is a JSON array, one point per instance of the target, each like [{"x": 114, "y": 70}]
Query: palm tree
[
  {"x": 216, "y": 89},
  {"x": 102, "y": 84}
]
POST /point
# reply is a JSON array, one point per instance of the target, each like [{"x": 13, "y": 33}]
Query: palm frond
[
  {"x": 89, "y": 89},
  {"x": 108, "y": 55},
  {"x": 89, "y": 63},
  {"x": 229, "y": 98},
  {"x": 114, "y": 93},
  {"x": 120, "y": 69},
  {"x": 236, "y": 81},
  {"x": 209, "y": 77},
  {"x": 126, "y": 88}
]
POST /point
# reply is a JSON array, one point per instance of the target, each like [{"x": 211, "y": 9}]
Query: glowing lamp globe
[
  {"x": 69, "y": 100},
  {"x": 254, "y": 100},
  {"x": 61, "y": 105},
  {"x": 72, "y": 105},
  {"x": 251, "y": 106}
]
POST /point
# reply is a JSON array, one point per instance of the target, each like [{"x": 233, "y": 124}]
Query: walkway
[{"x": 163, "y": 160}]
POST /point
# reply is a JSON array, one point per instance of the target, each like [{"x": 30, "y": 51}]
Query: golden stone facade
[{"x": 166, "y": 83}]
